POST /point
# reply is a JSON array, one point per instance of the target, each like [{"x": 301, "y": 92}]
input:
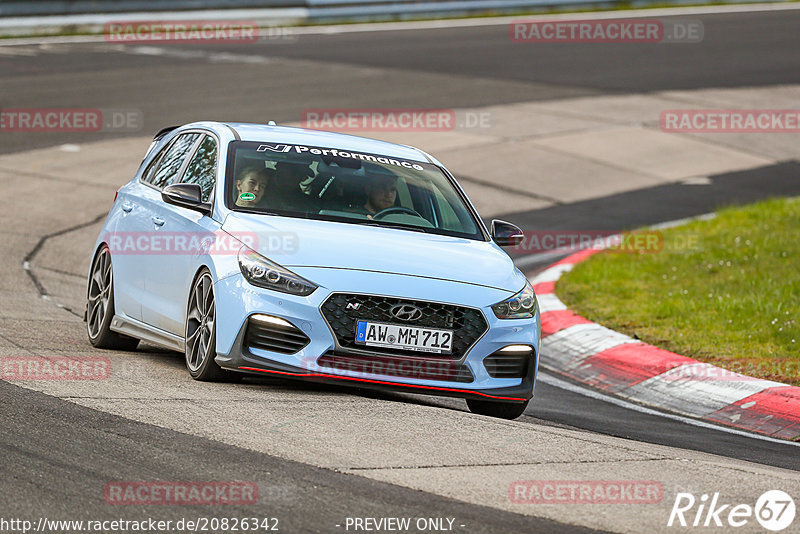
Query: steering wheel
[{"x": 396, "y": 209}]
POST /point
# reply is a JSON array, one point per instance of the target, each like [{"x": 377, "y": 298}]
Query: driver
[{"x": 381, "y": 194}]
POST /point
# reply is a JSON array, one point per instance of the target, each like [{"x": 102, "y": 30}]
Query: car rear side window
[
  {"x": 148, "y": 174},
  {"x": 202, "y": 168},
  {"x": 171, "y": 163}
]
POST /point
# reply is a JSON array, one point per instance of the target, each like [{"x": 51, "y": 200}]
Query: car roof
[{"x": 306, "y": 137}]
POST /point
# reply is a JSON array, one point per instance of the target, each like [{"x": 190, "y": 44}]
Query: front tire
[
  {"x": 100, "y": 306},
  {"x": 502, "y": 410},
  {"x": 201, "y": 332}
]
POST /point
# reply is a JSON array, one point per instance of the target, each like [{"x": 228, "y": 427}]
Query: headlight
[
  {"x": 520, "y": 306},
  {"x": 261, "y": 272}
]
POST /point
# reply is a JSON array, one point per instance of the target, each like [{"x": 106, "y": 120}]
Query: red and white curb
[{"x": 591, "y": 354}]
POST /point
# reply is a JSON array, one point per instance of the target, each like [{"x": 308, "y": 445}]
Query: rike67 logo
[{"x": 774, "y": 510}]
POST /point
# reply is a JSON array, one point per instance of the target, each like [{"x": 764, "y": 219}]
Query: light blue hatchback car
[{"x": 311, "y": 255}]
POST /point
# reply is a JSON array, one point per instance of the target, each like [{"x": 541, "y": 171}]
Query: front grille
[
  {"x": 343, "y": 310},
  {"x": 285, "y": 339},
  {"x": 396, "y": 366},
  {"x": 508, "y": 365}
]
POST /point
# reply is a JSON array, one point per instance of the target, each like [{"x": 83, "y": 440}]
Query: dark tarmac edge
[{"x": 58, "y": 457}]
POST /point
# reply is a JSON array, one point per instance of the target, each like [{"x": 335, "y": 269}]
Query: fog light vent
[
  {"x": 510, "y": 362},
  {"x": 274, "y": 334}
]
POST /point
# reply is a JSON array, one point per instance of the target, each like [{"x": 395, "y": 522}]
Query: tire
[
  {"x": 100, "y": 306},
  {"x": 502, "y": 410},
  {"x": 201, "y": 332}
]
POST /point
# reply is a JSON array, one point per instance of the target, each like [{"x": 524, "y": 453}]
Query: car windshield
[{"x": 339, "y": 185}]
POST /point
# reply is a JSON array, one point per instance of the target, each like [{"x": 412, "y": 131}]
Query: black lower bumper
[{"x": 243, "y": 361}]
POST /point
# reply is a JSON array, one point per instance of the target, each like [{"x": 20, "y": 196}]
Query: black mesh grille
[
  {"x": 508, "y": 365},
  {"x": 343, "y": 310},
  {"x": 274, "y": 337},
  {"x": 397, "y": 366}
]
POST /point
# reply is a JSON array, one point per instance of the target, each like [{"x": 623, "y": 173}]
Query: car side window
[
  {"x": 172, "y": 161},
  {"x": 147, "y": 175},
  {"x": 202, "y": 169}
]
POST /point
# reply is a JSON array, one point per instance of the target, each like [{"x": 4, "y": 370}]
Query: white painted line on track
[
  {"x": 680, "y": 222},
  {"x": 181, "y": 53},
  {"x": 551, "y": 380}
]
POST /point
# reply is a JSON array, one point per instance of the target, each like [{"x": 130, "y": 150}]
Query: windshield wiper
[{"x": 388, "y": 224}]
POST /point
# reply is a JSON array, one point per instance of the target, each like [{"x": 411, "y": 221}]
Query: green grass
[{"x": 724, "y": 291}]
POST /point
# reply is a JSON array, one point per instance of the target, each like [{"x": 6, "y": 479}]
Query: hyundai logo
[{"x": 406, "y": 312}]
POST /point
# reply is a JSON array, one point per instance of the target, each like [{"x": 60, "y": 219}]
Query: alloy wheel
[
  {"x": 200, "y": 323},
  {"x": 99, "y": 293}
]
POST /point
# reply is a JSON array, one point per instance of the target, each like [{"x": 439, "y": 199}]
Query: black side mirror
[
  {"x": 186, "y": 196},
  {"x": 506, "y": 234}
]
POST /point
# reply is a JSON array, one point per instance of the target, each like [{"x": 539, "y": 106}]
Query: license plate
[{"x": 397, "y": 336}]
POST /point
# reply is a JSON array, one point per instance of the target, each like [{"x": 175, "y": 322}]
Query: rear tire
[
  {"x": 502, "y": 410},
  {"x": 201, "y": 332},
  {"x": 100, "y": 306}
]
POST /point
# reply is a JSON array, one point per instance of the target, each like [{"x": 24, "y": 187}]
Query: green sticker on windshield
[{"x": 247, "y": 197}]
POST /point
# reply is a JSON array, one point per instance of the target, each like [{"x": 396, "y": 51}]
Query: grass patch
[{"x": 724, "y": 291}]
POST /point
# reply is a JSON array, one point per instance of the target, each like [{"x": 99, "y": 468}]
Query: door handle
[
  {"x": 158, "y": 221},
  {"x": 127, "y": 207}
]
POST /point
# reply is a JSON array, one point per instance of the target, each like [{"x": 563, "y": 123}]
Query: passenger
[
  {"x": 251, "y": 185},
  {"x": 381, "y": 194}
]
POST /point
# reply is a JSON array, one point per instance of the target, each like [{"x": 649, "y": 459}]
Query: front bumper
[{"x": 237, "y": 301}]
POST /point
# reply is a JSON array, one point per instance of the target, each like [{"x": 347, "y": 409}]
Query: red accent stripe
[
  {"x": 557, "y": 320},
  {"x": 337, "y": 377},
  {"x": 544, "y": 287},
  {"x": 625, "y": 365},
  {"x": 578, "y": 256},
  {"x": 775, "y": 412}
]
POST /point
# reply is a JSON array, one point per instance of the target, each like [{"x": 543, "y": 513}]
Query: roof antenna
[{"x": 271, "y": 123}]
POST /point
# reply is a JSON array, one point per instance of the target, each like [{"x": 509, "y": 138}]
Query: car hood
[{"x": 294, "y": 242}]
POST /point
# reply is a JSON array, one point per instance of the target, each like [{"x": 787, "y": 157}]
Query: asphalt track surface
[
  {"x": 449, "y": 68},
  {"x": 57, "y": 474},
  {"x": 431, "y": 68}
]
